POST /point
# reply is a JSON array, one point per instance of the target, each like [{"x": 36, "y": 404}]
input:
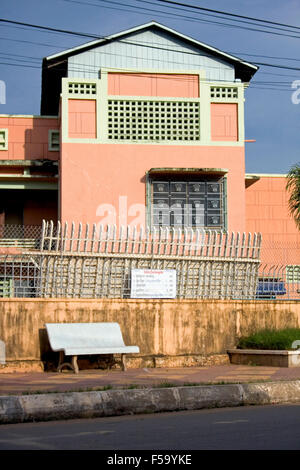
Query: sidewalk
[
  {"x": 95, "y": 379},
  {"x": 25, "y": 397}
]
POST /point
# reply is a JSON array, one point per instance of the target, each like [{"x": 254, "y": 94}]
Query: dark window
[{"x": 188, "y": 203}]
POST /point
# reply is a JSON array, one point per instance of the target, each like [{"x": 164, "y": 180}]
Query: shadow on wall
[
  {"x": 36, "y": 140},
  {"x": 48, "y": 357}
]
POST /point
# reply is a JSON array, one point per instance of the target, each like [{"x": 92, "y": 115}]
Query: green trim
[
  {"x": 148, "y": 201},
  {"x": 29, "y": 116},
  {"x": 265, "y": 175},
  {"x": 6, "y": 288},
  {"x": 225, "y": 212},
  {"x": 27, "y": 162},
  {"x": 28, "y": 185}
]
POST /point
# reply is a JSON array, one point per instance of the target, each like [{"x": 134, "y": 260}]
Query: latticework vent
[
  {"x": 82, "y": 88},
  {"x": 153, "y": 120},
  {"x": 293, "y": 273},
  {"x": 223, "y": 92}
]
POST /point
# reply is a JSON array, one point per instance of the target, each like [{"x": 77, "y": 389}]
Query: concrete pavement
[
  {"x": 46, "y": 396},
  {"x": 94, "y": 379}
]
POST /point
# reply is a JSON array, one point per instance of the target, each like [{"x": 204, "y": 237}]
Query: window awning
[{"x": 192, "y": 171}]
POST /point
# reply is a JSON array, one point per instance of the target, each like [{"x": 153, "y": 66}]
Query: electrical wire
[
  {"x": 63, "y": 31},
  {"x": 254, "y": 84},
  {"x": 229, "y": 14},
  {"x": 132, "y": 43},
  {"x": 184, "y": 17}
]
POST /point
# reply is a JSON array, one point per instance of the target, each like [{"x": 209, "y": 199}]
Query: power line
[
  {"x": 206, "y": 14},
  {"x": 96, "y": 36},
  {"x": 96, "y": 67},
  {"x": 158, "y": 13},
  {"x": 20, "y": 65},
  {"x": 48, "y": 28},
  {"x": 265, "y": 56},
  {"x": 184, "y": 17},
  {"x": 167, "y": 49},
  {"x": 191, "y": 18},
  {"x": 77, "y": 69},
  {"x": 286, "y": 67},
  {"x": 229, "y": 14},
  {"x": 134, "y": 43},
  {"x": 255, "y": 86}
]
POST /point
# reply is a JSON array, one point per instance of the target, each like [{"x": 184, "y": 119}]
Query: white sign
[{"x": 153, "y": 283}]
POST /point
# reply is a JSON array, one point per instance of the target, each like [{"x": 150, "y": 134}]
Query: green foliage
[
  {"x": 270, "y": 339},
  {"x": 165, "y": 385},
  {"x": 293, "y": 187}
]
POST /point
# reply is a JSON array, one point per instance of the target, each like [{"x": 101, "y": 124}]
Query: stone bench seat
[{"x": 78, "y": 339}]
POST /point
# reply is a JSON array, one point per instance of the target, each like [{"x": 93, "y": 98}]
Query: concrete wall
[{"x": 159, "y": 327}]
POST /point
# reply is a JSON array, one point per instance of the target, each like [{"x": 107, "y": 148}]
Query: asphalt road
[{"x": 255, "y": 428}]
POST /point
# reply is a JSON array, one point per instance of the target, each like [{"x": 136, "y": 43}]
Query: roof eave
[{"x": 100, "y": 41}]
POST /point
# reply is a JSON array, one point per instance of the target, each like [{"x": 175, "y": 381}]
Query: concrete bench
[{"x": 75, "y": 339}]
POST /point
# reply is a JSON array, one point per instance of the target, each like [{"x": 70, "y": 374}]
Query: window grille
[
  {"x": 188, "y": 203},
  {"x": 53, "y": 140},
  {"x": 81, "y": 88},
  {"x": 223, "y": 92},
  {"x": 3, "y": 139},
  {"x": 153, "y": 120}
]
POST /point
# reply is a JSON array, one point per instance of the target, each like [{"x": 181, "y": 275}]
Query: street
[{"x": 255, "y": 428}]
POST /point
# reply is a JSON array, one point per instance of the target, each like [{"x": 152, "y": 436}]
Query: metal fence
[
  {"x": 21, "y": 236},
  {"x": 87, "y": 277},
  {"x": 19, "y": 276},
  {"x": 97, "y": 262},
  {"x": 278, "y": 282}
]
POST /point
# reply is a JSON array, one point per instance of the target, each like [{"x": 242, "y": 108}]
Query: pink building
[{"x": 144, "y": 127}]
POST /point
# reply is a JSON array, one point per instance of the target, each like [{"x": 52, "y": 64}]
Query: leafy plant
[
  {"x": 270, "y": 339},
  {"x": 293, "y": 187}
]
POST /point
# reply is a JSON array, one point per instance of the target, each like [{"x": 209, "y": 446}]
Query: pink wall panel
[
  {"x": 267, "y": 213},
  {"x": 114, "y": 176},
  {"x": 224, "y": 122},
  {"x": 168, "y": 85},
  {"x": 82, "y": 119},
  {"x": 28, "y": 138}
]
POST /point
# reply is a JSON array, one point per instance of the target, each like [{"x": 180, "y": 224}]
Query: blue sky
[{"x": 270, "y": 116}]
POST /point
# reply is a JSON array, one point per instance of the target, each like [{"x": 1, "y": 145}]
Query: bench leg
[
  {"x": 123, "y": 362},
  {"x": 72, "y": 365},
  {"x": 75, "y": 365}
]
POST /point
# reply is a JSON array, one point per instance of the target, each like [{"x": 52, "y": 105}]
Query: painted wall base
[{"x": 132, "y": 362}]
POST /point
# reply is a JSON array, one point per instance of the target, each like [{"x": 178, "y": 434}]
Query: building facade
[{"x": 142, "y": 128}]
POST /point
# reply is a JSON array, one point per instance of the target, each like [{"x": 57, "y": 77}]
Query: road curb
[{"x": 70, "y": 405}]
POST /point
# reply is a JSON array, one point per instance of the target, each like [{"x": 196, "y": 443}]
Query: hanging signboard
[{"x": 153, "y": 283}]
